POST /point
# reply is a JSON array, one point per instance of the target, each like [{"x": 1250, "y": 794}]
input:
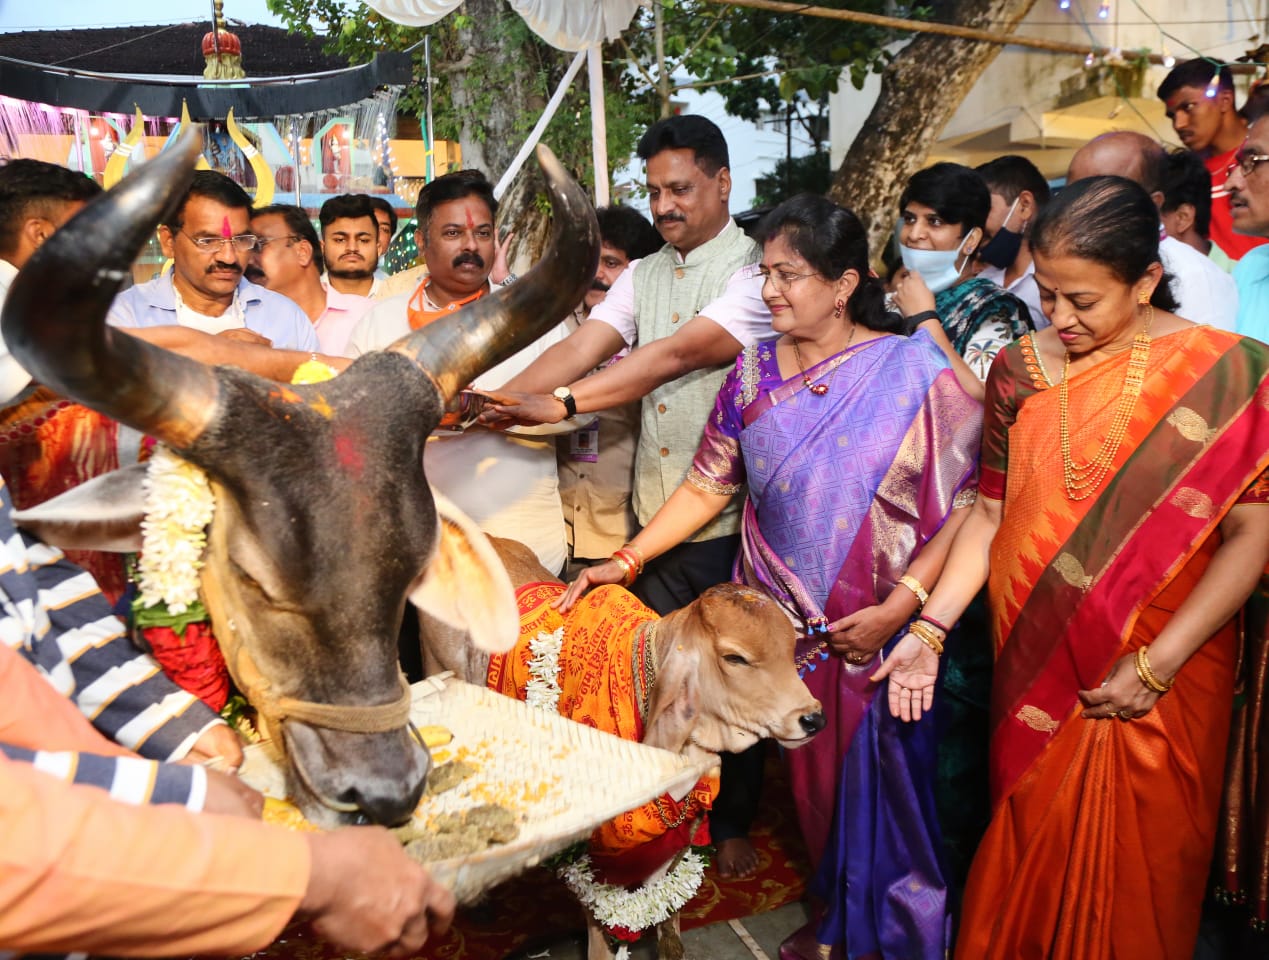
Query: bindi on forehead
[{"x": 225, "y": 229}]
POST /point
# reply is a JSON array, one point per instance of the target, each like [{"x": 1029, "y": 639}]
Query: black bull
[{"x": 324, "y": 521}]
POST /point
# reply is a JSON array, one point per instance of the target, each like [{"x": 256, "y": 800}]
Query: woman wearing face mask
[
  {"x": 858, "y": 450},
  {"x": 944, "y": 210}
]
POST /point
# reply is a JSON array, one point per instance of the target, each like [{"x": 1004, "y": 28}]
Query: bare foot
[{"x": 737, "y": 859}]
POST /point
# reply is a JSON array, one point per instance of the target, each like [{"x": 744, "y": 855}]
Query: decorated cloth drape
[
  {"x": 1087, "y": 811},
  {"x": 844, "y": 489},
  {"x": 565, "y": 24},
  {"x": 606, "y": 668},
  {"x": 49, "y": 445}
]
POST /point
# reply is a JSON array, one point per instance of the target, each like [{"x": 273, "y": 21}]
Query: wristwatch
[{"x": 565, "y": 396}]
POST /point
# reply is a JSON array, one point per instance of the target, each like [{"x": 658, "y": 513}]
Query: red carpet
[{"x": 536, "y": 909}]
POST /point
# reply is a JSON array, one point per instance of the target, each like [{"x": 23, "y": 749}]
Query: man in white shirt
[
  {"x": 507, "y": 484},
  {"x": 1205, "y": 292},
  {"x": 1018, "y": 193},
  {"x": 288, "y": 260},
  {"x": 687, "y": 311}
]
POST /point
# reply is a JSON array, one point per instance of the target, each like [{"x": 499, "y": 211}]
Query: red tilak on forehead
[
  {"x": 225, "y": 229},
  {"x": 470, "y": 222}
]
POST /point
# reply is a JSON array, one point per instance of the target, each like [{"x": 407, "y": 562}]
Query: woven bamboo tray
[{"x": 561, "y": 778}]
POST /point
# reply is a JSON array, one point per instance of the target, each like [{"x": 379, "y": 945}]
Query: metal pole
[
  {"x": 295, "y": 149},
  {"x": 598, "y": 125},
  {"x": 429, "y": 133}
]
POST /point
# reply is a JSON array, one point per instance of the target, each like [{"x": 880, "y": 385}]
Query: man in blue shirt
[{"x": 208, "y": 239}]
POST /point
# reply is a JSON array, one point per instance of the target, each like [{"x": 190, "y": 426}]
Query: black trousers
[{"x": 674, "y": 580}]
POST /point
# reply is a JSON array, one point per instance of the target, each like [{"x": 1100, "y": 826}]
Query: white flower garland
[
  {"x": 613, "y": 906},
  {"x": 178, "y": 507},
  {"x": 543, "y": 689},
  {"x": 641, "y": 908}
]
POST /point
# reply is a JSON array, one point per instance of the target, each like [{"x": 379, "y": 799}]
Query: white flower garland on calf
[
  {"x": 543, "y": 689},
  {"x": 178, "y": 507},
  {"x": 613, "y": 906},
  {"x": 641, "y": 908}
]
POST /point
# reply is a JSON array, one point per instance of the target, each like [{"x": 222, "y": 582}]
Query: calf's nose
[{"x": 812, "y": 723}]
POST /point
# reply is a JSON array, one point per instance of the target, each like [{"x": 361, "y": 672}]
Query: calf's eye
[{"x": 736, "y": 659}]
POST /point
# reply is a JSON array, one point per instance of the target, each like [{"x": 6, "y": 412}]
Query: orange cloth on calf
[{"x": 603, "y": 669}]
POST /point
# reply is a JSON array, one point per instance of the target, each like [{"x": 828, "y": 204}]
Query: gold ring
[
  {"x": 1125, "y": 714},
  {"x": 854, "y": 658}
]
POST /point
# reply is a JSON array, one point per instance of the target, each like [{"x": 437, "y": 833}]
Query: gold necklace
[
  {"x": 1082, "y": 480},
  {"x": 819, "y": 389}
]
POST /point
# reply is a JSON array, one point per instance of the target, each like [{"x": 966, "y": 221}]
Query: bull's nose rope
[{"x": 340, "y": 716}]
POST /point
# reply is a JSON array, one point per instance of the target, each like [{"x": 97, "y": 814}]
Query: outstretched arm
[
  {"x": 572, "y": 358},
  {"x": 913, "y": 666},
  {"x": 688, "y": 509},
  {"x": 214, "y": 350},
  {"x": 700, "y": 343}
]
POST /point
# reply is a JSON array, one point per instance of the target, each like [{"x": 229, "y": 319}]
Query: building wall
[{"x": 1021, "y": 83}]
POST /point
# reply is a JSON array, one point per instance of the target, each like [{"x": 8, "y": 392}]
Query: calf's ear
[
  {"x": 465, "y": 585},
  {"x": 103, "y": 514},
  {"x": 675, "y": 701}
]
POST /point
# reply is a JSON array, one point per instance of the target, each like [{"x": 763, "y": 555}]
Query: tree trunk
[
  {"x": 920, "y": 91},
  {"x": 496, "y": 121}
]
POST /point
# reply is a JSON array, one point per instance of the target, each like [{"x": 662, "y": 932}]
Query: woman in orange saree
[{"x": 1120, "y": 527}]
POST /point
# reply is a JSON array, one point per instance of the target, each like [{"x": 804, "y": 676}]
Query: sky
[{"x": 754, "y": 152}]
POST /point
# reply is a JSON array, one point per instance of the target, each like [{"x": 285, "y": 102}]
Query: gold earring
[
  {"x": 1143, "y": 297},
  {"x": 838, "y": 307}
]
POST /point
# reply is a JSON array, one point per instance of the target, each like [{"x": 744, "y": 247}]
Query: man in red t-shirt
[{"x": 1200, "y": 102}]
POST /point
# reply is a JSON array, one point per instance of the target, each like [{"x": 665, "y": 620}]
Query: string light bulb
[
  {"x": 1089, "y": 60},
  {"x": 1064, "y": 4},
  {"x": 1169, "y": 61},
  {"x": 1212, "y": 90},
  {"x": 1103, "y": 12}
]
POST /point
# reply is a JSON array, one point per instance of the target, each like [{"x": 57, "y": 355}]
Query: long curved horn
[
  {"x": 54, "y": 317},
  {"x": 455, "y": 349}
]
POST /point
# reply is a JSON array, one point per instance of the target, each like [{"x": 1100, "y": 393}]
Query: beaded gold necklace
[{"x": 1082, "y": 480}]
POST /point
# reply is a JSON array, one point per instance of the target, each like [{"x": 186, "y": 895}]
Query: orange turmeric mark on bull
[
  {"x": 285, "y": 395},
  {"x": 319, "y": 406}
]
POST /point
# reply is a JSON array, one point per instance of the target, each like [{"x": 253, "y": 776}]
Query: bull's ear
[
  {"x": 103, "y": 514},
  {"x": 466, "y": 585},
  {"x": 675, "y": 700}
]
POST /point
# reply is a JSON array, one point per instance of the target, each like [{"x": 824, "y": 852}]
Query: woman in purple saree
[{"x": 859, "y": 451}]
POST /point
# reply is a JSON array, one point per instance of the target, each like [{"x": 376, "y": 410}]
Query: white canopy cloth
[{"x": 565, "y": 24}]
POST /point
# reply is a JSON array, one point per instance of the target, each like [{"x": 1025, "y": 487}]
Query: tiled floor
[{"x": 720, "y": 941}]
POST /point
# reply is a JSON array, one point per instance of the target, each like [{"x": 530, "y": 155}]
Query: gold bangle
[
  {"x": 913, "y": 584},
  {"x": 926, "y": 635},
  {"x": 1146, "y": 674},
  {"x": 627, "y": 571},
  {"x": 638, "y": 555}
]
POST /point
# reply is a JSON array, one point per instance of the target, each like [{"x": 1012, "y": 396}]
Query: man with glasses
[
  {"x": 1248, "y": 188},
  {"x": 209, "y": 241},
  {"x": 1199, "y": 98},
  {"x": 288, "y": 260}
]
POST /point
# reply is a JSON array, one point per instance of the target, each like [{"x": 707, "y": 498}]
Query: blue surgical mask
[{"x": 938, "y": 268}]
